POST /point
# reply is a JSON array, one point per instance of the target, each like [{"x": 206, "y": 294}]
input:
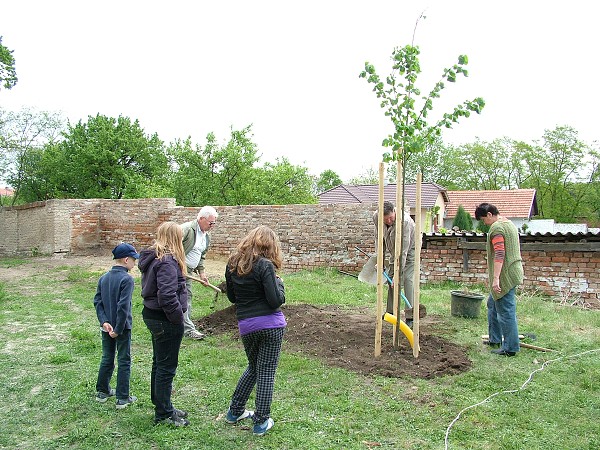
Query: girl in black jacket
[{"x": 257, "y": 291}]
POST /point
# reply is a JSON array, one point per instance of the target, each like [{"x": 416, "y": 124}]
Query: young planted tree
[
  {"x": 409, "y": 111},
  {"x": 399, "y": 96}
]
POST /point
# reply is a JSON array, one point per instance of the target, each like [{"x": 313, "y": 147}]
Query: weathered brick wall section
[
  {"x": 557, "y": 274},
  {"x": 311, "y": 236},
  {"x": 60, "y": 224},
  {"x": 442, "y": 260},
  {"x": 25, "y": 229},
  {"x": 133, "y": 221}
]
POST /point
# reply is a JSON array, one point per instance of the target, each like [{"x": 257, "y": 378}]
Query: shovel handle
[
  {"x": 207, "y": 284},
  {"x": 362, "y": 251}
]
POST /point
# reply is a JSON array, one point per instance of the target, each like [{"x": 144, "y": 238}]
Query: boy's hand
[
  {"x": 107, "y": 327},
  {"x": 112, "y": 334}
]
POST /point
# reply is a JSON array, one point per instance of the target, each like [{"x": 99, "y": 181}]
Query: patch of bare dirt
[
  {"x": 344, "y": 338},
  {"x": 338, "y": 336}
]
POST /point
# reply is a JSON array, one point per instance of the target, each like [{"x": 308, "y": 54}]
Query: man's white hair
[{"x": 207, "y": 211}]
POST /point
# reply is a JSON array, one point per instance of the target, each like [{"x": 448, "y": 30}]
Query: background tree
[
  {"x": 561, "y": 170},
  {"x": 8, "y": 73},
  {"x": 462, "y": 220},
  {"x": 482, "y": 166},
  {"x": 432, "y": 163},
  {"x": 283, "y": 183},
  {"x": 214, "y": 174},
  {"x": 22, "y": 134},
  {"x": 482, "y": 227},
  {"x": 229, "y": 174},
  {"x": 104, "y": 158},
  {"x": 369, "y": 176},
  {"x": 327, "y": 180}
]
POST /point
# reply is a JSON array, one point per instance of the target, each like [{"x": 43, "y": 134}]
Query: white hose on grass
[{"x": 539, "y": 369}]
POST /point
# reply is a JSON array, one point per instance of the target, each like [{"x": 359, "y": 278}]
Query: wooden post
[
  {"x": 379, "y": 250},
  {"x": 397, "y": 250},
  {"x": 417, "y": 275}
]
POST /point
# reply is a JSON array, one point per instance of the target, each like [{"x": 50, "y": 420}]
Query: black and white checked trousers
[{"x": 262, "y": 349}]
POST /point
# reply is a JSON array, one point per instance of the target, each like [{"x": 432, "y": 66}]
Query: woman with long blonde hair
[
  {"x": 165, "y": 300},
  {"x": 256, "y": 290}
]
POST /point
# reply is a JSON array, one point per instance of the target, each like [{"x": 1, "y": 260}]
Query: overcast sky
[{"x": 290, "y": 68}]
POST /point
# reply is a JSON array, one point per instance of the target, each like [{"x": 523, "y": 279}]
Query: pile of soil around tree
[{"x": 343, "y": 337}]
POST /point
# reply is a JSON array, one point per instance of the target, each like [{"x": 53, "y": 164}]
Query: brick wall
[
  {"x": 554, "y": 273},
  {"x": 311, "y": 236},
  {"x": 26, "y": 229}
]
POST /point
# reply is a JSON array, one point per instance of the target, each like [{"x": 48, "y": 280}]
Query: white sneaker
[
  {"x": 261, "y": 428},
  {"x": 195, "y": 335}
]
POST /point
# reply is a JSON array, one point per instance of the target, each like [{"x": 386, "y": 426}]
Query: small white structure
[{"x": 549, "y": 226}]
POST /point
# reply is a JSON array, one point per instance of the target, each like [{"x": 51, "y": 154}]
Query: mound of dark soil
[{"x": 345, "y": 338}]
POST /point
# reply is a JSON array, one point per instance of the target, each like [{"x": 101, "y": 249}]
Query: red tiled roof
[
  {"x": 511, "y": 203},
  {"x": 6, "y": 192},
  {"x": 369, "y": 193}
]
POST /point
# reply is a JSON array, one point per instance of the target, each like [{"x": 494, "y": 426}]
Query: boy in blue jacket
[{"x": 113, "y": 308}]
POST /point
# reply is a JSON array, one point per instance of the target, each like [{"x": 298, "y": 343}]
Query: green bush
[
  {"x": 482, "y": 227},
  {"x": 463, "y": 220}
]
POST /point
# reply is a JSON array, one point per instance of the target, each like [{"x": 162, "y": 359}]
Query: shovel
[
  {"x": 368, "y": 274},
  {"x": 214, "y": 288}
]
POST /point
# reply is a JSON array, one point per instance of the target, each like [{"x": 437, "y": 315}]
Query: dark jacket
[
  {"x": 259, "y": 293},
  {"x": 163, "y": 285},
  {"x": 113, "y": 299}
]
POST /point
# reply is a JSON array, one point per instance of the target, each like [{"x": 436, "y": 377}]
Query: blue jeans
[
  {"x": 502, "y": 321},
  {"x": 121, "y": 346},
  {"x": 166, "y": 341}
]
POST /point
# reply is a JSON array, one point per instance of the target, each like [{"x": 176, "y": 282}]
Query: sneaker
[
  {"x": 503, "y": 352},
  {"x": 103, "y": 396},
  {"x": 180, "y": 413},
  {"x": 121, "y": 404},
  {"x": 261, "y": 428},
  {"x": 174, "y": 420},
  {"x": 195, "y": 335},
  {"x": 230, "y": 418}
]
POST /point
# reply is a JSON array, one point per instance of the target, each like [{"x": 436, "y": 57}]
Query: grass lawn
[{"x": 51, "y": 348}]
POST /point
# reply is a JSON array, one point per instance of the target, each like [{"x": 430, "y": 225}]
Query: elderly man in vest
[
  {"x": 505, "y": 273},
  {"x": 196, "y": 240}
]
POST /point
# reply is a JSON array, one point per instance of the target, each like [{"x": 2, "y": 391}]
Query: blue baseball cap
[{"x": 123, "y": 250}]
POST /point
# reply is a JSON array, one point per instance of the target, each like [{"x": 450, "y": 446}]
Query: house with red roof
[
  {"x": 6, "y": 192},
  {"x": 438, "y": 205},
  {"x": 433, "y": 199},
  {"x": 517, "y": 205}
]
